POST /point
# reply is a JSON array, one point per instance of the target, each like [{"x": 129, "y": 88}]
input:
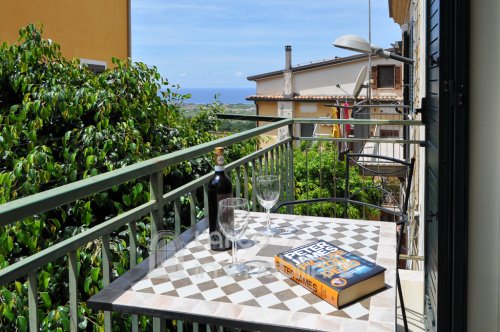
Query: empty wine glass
[
  {"x": 233, "y": 220},
  {"x": 268, "y": 193}
]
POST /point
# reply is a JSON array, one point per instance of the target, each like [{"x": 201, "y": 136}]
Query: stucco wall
[
  {"x": 324, "y": 80},
  {"x": 417, "y": 24},
  {"x": 483, "y": 307},
  {"x": 417, "y": 13},
  {"x": 270, "y": 86},
  {"x": 268, "y": 108},
  {"x": 314, "y": 110},
  {"x": 91, "y": 29}
]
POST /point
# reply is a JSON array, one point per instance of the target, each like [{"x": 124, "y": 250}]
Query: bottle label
[{"x": 219, "y": 156}]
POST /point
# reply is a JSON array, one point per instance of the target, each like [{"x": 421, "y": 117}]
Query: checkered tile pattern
[{"x": 196, "y": 272}]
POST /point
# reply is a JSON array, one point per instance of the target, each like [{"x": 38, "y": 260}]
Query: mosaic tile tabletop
[{"x": 186, "y": 280}]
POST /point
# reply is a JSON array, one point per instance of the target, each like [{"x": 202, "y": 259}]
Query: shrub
[
  {"x": 61, "y": 123},
  {"x": 319, "y": 173}
]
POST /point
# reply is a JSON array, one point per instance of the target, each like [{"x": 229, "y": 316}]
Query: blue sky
[{"x": 218, "y": 43}]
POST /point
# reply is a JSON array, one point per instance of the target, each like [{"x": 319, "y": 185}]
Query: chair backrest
[
  {"x": 380, "y": 167},
  {"x": 386, "y": 171}
]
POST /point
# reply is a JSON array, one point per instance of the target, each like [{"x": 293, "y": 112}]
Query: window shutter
[
  {"x": 374, "y": 77},
  {"x": 397, "y": 77}
]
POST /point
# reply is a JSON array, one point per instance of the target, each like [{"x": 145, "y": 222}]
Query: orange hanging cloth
[{"x": 336, "y": 127}]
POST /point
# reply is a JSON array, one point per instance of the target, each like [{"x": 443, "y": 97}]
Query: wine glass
[
  {"x": 268, "y": 193},
  {"x": 233, "y": 220}
]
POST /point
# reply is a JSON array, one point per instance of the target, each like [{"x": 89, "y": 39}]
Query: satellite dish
[{"x": 359, "y": 82}]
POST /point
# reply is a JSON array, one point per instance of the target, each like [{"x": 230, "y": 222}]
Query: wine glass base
[
  {"x": 272, "y": 231},
  {"x": 236, "y": 269}
]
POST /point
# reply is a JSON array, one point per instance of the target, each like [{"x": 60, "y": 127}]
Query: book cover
[{"x": 332, "y": 273}]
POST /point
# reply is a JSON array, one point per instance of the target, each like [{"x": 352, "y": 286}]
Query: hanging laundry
[
  {"x": 336, "y": 127},
  {"x": 347, "y": 127}
]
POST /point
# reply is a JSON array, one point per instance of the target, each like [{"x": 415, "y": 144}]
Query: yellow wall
[
  {"x": 268, "y": 108},
  {"x": 301, "y": 110},
  {"x": 90, "y": 29},
  {"x": 304, "y": 110}
]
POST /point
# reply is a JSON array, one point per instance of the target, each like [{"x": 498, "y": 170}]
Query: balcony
[{"x": 187, "y": 205}]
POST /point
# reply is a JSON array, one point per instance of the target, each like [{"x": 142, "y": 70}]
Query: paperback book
[{"x": 332, "y": 273}]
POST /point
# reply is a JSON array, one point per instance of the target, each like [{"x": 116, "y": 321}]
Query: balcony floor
[{"x": 412, "y": 283}]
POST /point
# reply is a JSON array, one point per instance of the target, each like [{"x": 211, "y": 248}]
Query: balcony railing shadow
[{"x": 277, "y": 158}]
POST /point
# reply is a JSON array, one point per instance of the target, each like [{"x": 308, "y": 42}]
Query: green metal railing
[
  {"x": 153, "y": 168},
  {"x": 277, "y": 158}
]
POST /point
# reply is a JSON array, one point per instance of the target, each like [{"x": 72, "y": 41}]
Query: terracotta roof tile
[{"x": 318, "y": 98}]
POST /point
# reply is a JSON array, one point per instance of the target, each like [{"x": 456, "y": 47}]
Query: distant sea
[{"x": 224, "y": 95}]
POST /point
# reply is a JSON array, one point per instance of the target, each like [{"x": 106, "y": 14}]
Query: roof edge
[
  {"x": 318, "y": 98},
  {"x": 319, "y": 64}
]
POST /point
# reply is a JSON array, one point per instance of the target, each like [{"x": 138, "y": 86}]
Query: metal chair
[{"x": 381, "y": 167}]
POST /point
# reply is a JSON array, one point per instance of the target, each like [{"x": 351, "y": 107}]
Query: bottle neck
[{"x": 219, "y": 168}]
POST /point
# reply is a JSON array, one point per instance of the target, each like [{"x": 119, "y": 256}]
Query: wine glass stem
[
  {"x": 234, "y": 249},
  {"x": 268, "y": 219}
]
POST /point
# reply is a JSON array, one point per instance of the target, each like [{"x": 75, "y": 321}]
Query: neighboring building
[
  {"x": 92, "y": 30},
  {"x": 410, "y": 15},
  {"x": 309, "y": 91}
]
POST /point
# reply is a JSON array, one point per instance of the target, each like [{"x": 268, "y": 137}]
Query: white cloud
[
  {"x": 182, "y": 74},
  {"x": 239, "y": 74}
]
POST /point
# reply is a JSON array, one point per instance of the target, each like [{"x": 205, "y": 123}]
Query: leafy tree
[{"x": 60, "y": 123}]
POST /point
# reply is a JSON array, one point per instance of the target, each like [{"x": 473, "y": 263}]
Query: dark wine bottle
[{"x": 219, "y": 187}]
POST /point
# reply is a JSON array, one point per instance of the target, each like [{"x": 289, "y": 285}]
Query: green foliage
[
  {"x": 61, "y": 123},
  {"x": 320, "y": 174}
]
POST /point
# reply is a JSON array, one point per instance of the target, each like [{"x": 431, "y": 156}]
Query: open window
[
  {"x": 386, "y": 77},
  {"x": 93, "y": 65},
  {"x": 307, "y": 129},
  {"x": 389, "y": 133}
]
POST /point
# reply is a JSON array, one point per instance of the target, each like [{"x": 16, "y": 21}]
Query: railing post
[
  {"x": 205, "y": 200},
  {"x": 156, "y": 193},
  {"x": 133, "y": 243},
  {"x": 33, "y": 301},
  {"x": 237, "y": 178},
  {"x": 254, "y": 181},
  {"x": 73, "y": 291},
  {"x": 272, "y": 163},
  {"x": 133, "y": 262},
  {"x": 245, "y": 181},
  {"x": 192, "y": 206},
  {"x": 266, "y": 159},
  {"x": 177, "y": 221},
  {"x": 106, "y": 275},
  {"x": 261, "y": 165},
  {"x": 177, "y": 216},
  {"x": 346, "y": 190},
  {"x": 281, "y": 169},
  {"x": 291, "y": 185}
]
